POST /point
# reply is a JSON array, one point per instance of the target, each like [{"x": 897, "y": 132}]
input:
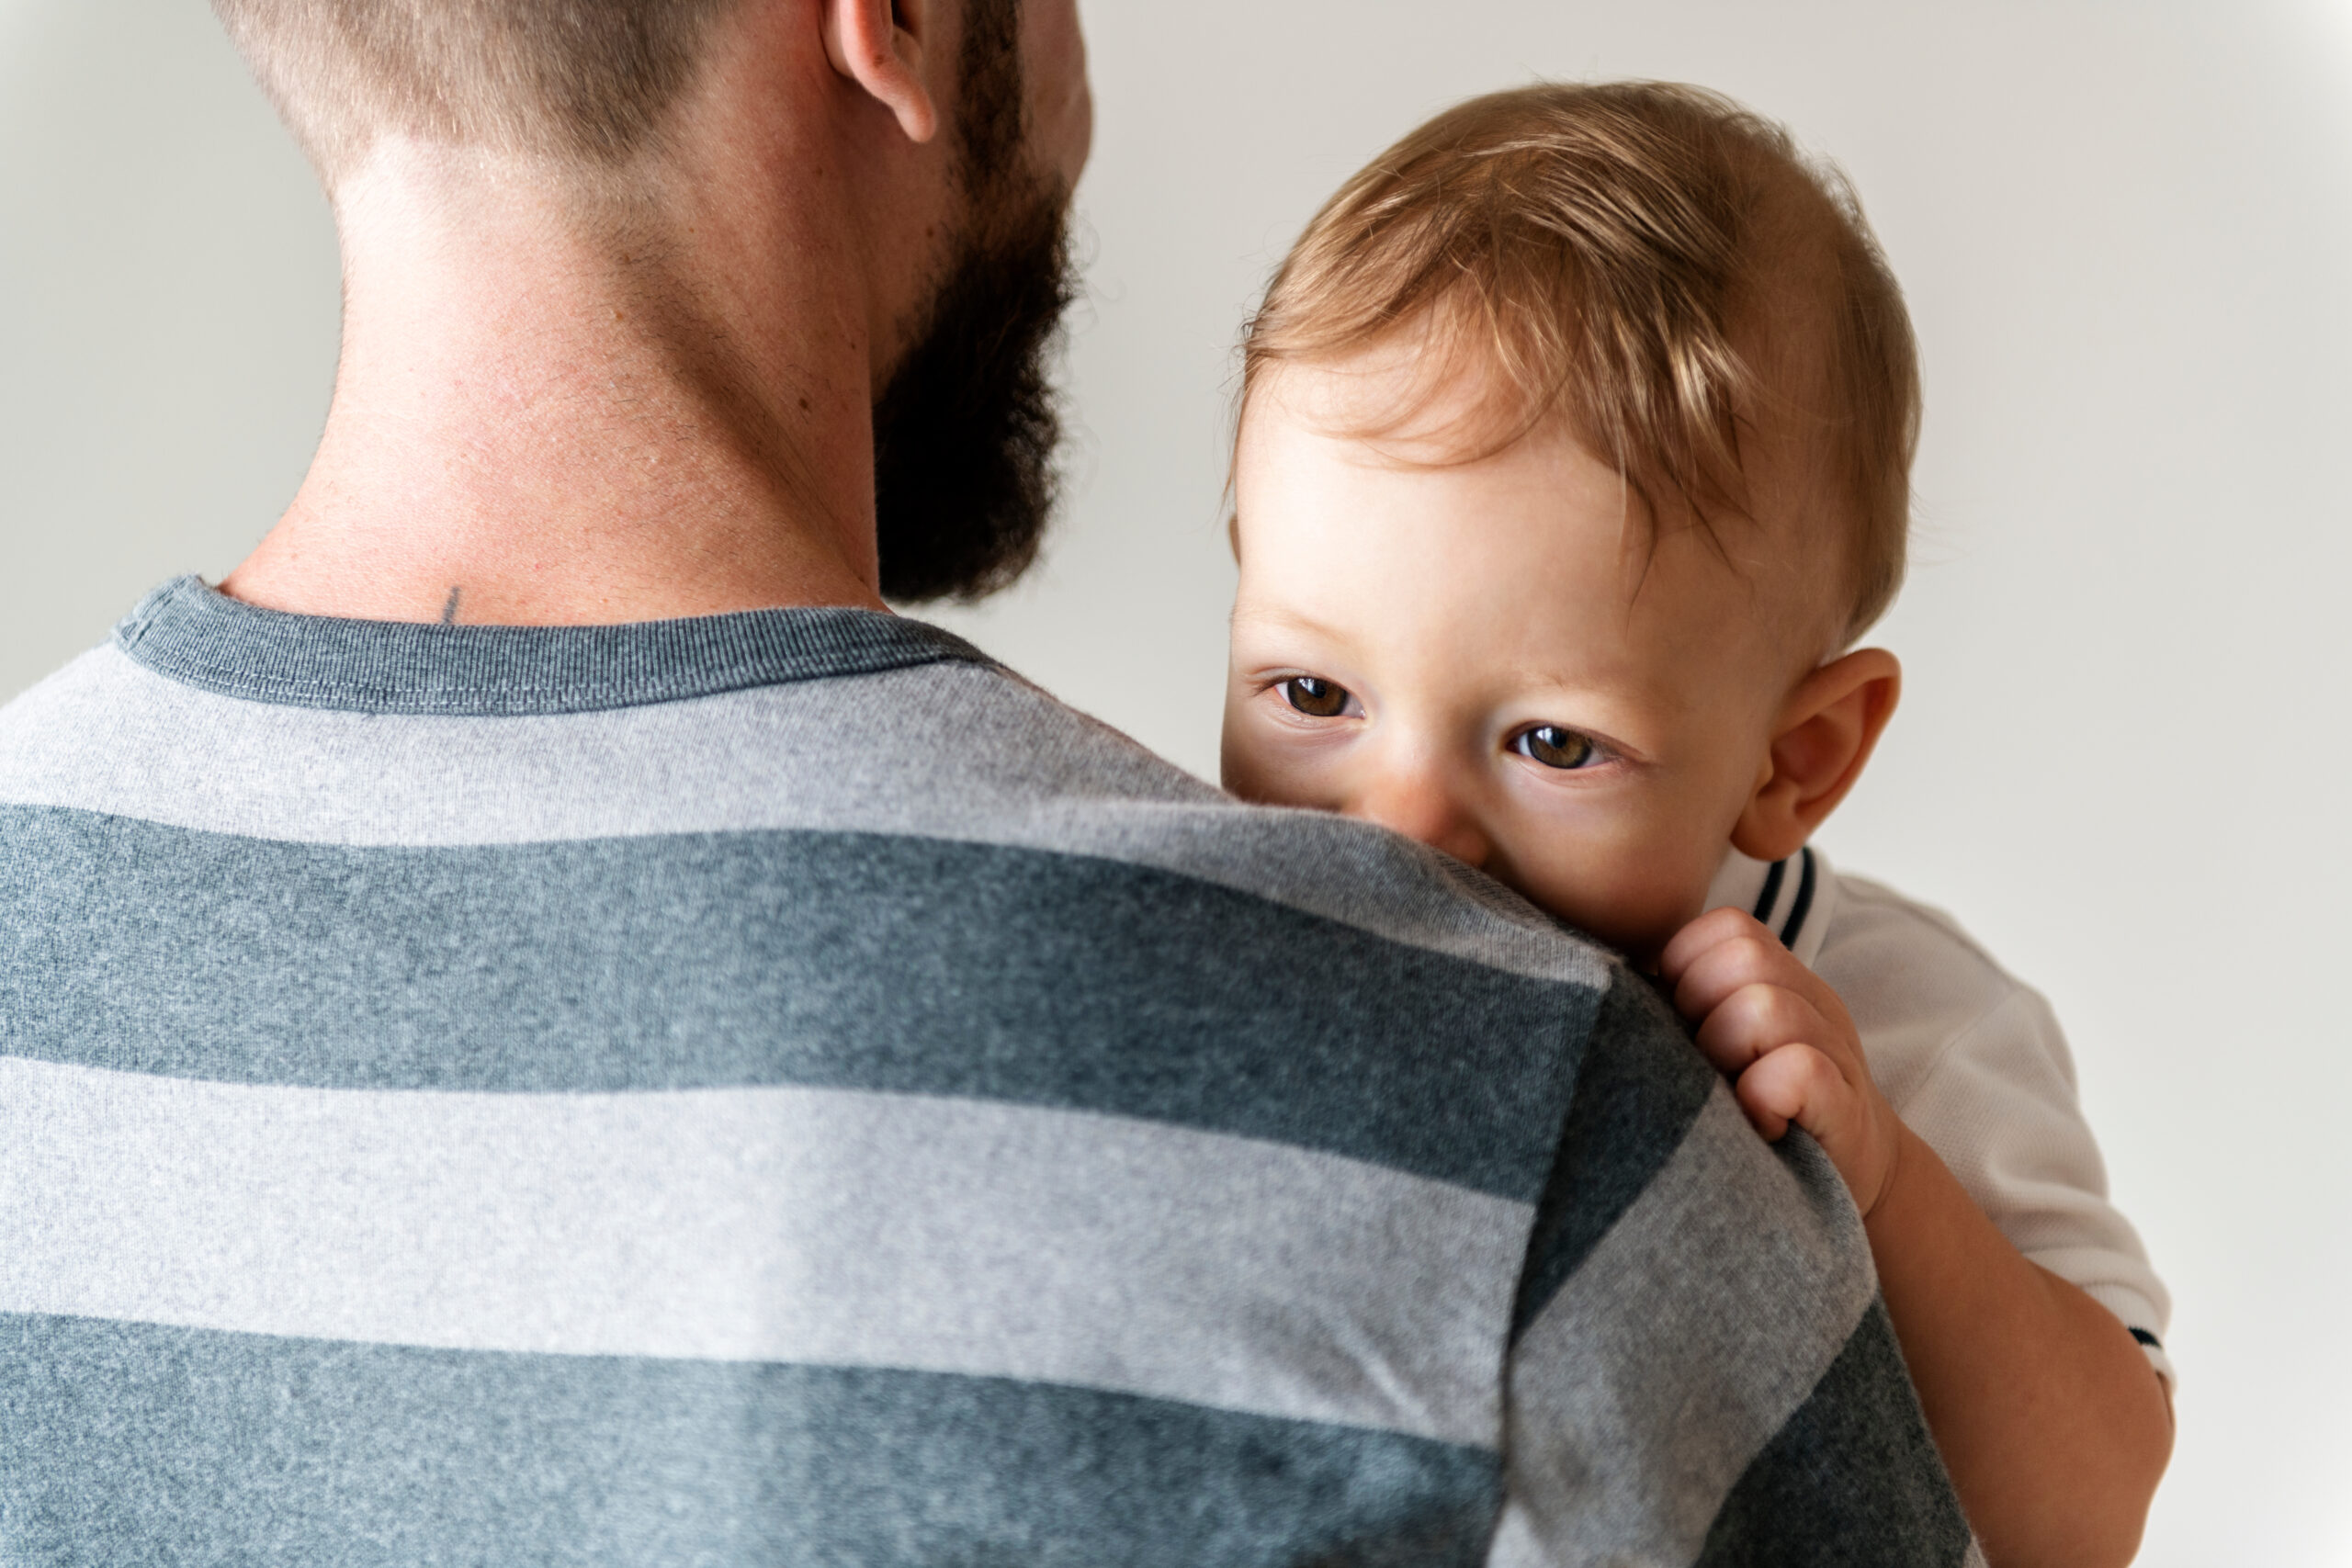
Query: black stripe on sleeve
[
  {"x": 1852, "y": 1481},
  {"x": 2150, "y": 1341}
]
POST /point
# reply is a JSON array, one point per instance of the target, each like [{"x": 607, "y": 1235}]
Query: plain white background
[{"x": 2125, "y": 227}]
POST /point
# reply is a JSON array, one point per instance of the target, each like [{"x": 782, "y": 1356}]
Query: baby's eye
[
  {"x": 1554, "y": 747},
  {"x": 1314, "y": 695}
]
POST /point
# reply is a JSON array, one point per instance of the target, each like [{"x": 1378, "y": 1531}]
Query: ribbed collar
[
  {"x": 188, "y": 632},
  {"x": 1794, "y": 897}
]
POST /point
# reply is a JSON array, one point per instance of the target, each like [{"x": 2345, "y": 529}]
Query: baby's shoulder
[
  {"x": 1902, "y": 951},
  {"x": 1917, "y": 985}
]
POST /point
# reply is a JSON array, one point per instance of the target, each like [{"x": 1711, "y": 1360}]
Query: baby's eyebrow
[
  {"x": 1244, "y": 613},
  {"x": 1531, "y": 674}
]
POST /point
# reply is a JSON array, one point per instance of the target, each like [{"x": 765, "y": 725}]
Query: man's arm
[{"x": 1702, "y": 1370}]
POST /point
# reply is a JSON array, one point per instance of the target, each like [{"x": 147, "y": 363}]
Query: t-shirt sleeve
[
  {"x": 2000, "y": 1107},
  {"x": 1701, "y": 1369},
  {"x": 1975, "y": 1062}
]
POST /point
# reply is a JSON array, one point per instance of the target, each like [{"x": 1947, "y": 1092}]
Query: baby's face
[{"x": 1475, "y": 656}]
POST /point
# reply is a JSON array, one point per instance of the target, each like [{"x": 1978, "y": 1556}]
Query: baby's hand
[{"x": 1779, "y": 1033}]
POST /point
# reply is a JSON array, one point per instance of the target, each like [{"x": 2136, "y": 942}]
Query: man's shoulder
[
  {"x": 947, "y": 748},
  {"x": 770, "y": 879},
  {"x": 53, "y": 714},
  {"x": 1065, "y": 781}
]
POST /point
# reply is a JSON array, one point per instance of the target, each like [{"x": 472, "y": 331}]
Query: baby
[{"x": 1573, "y": 460}]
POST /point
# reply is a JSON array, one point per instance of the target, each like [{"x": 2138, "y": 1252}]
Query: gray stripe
[
  {"x": 798, "y": 1225},
  {"x": 822, "y": 960},
  {"x": 947, "y": 750},
  {"x": 129, "y": 1444},
  {"x": 1643, "y": 1391}
]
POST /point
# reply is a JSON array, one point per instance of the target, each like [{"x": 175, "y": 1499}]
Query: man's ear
[
  {"x": 1820, "y": 742},
  {"x": 882, "y": 46}
]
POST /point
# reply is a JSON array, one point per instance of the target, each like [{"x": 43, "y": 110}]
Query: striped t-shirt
[{"x": 778, "y": 1090}]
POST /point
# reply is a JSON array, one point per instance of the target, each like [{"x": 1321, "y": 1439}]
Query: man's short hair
[
  {"x": 579, "y": 80},
  {"x": 1589, "y": 251}
]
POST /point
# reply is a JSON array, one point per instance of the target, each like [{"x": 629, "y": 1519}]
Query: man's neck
[{"x": 537, "y": 423}]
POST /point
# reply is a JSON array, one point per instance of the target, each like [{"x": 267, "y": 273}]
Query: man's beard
[
  {"x": 964, "y": 435},
  {"x": 965, "y": 431}
]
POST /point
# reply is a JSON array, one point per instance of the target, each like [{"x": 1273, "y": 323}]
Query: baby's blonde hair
[{"x": 1597, "y": 245}]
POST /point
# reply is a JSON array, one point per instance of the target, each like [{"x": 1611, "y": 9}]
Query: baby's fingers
[
  {"x": 1724, "y": 950},
  {"x": 1709, "y": 930},
  {"x": 1793, "y": 1084},
  {"x": 1754, "y": 1021},
  {"x": 1715, "y": 955},
  {"x": 1798, "y": 1084}
]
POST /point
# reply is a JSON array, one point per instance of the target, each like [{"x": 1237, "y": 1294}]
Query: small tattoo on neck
[{"x": 449, "y": 610}]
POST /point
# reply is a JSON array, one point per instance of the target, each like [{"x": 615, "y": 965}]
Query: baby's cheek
[{"x": 1631, "y": 893}]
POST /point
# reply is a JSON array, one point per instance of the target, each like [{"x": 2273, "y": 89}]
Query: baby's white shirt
[{"x": 1974, "y": 1062}]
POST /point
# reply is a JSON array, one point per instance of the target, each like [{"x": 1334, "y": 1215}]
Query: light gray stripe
[
  {"x": 1644, "y": 1397},
  {"x": 771, "y": 1225},
  {"x": 945, "y": 751}
]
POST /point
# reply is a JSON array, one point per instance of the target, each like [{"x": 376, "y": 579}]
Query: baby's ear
[{"x": 1820, "y": 742}]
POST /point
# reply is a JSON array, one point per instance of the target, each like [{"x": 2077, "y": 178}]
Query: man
[{"x": 539, "y": 1024}]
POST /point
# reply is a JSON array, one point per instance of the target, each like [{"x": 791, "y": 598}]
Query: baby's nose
[{"x": 1430, "y": 814}]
